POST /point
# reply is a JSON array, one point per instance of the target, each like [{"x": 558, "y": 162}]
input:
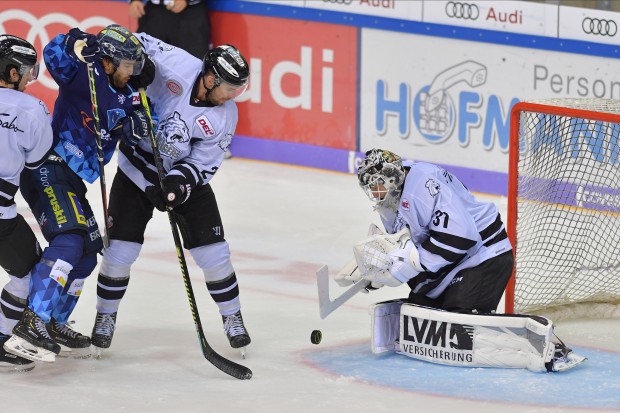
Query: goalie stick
[
  {"x": 326, "y": 305},
  {"x": 227, "y": 366}
]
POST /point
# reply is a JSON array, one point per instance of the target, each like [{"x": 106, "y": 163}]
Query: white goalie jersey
[
  {"x": 192, "y": 138},
  {"x": 451, "y": 230},
  {"x": 26, "y": 137}
]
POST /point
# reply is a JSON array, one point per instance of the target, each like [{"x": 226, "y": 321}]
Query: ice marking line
[{"x": 594, "y": 384}]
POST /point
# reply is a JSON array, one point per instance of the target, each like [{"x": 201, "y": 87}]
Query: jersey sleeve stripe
[
  {"x": 7, "y": 189},
  {"x": 447, "y": 255},
  {"x": 452, "y": 240},
  {"x": 190, "y": 174},
  {"x": 492, "y": 229},
  {"x": 139, "y": 163}
]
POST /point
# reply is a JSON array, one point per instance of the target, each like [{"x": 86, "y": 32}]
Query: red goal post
[{"x": 564, "y": 207}]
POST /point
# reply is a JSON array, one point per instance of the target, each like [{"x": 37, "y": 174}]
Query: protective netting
[{"x": 568, "y": 206}]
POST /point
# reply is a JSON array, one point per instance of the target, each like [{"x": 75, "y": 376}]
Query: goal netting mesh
[{"x": 565, "y": 196}]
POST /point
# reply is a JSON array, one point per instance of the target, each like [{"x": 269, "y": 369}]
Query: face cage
[{"x": 377, "y": 196}]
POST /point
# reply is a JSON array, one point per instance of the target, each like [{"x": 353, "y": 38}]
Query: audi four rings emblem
[
  {"x": 599, "y": 27},
  {"x": 457, "y": 10},
  {"x": 37, "y": 30}
]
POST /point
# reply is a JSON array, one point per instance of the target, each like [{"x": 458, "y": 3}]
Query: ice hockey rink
[{"x": 283, "y": 223}]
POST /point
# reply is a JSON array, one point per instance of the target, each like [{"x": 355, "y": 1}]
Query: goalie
[{"x": 453, "y": 252}]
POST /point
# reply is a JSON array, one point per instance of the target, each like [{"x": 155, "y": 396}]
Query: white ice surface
[{"x": 282, "y": 223}]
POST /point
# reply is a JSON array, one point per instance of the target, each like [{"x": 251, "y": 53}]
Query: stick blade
[{"x": 326, "y": 305}]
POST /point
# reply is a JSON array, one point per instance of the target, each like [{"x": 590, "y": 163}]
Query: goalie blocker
[{"x": 469, "y": 340}]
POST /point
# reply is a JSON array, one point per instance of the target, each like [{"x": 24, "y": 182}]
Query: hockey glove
[
  {"x": 86, "y": 46},
  {"x": 131, "y": 129},
  {"x": 156, "y": 196},
  {"x": 176, "y": 191},
  {"x": 145, "y": 77}
]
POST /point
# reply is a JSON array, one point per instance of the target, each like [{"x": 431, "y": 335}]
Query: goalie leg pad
[
  {"x": 19, "y": 248},
  {"x": 473, "y": 340},
  {"x": 385, "y": 325}
]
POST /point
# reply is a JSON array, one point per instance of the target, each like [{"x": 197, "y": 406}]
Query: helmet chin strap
[{"x": 204, "y": 83}]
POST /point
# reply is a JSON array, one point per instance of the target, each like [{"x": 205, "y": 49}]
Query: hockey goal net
[{"x": 564, "y": 208}]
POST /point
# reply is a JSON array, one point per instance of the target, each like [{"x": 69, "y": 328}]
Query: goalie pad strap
[{"x": 473, "y": 340}]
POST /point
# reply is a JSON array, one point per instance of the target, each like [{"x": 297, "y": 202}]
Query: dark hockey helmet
[
  {"x": 229, "y": 66},
  {"x": 17, "y": 52},
  {"x": 119, "y": 44},
  {"x": 381, "y": 167}
]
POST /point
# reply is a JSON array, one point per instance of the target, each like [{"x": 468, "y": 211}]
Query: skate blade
[
  {"x": 98, "y": 352},
  {"x": 22, "y": 348},
  {"x": 16, "y": 368},
  {"x": 75, "y": 353},
  {"x": 242, "y": 350},
  {"x": 572, "y": 360}
]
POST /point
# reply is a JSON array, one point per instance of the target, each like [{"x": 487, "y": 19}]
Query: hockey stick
[
  {"x": 326, "y": 305},
  {"x": 104, "y": 195},
  {"x": 227, "y": 366}
]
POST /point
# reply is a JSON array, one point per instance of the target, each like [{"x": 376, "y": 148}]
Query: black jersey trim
[
  {"x": 453, "y": 241},
  {"x": 447, "y": 255}
]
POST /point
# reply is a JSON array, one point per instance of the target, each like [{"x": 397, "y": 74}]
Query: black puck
[{"x": 316, "y": 336}]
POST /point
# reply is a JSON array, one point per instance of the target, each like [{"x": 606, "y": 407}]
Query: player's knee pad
[
  {"x": 214, "y": 260},
  {"x": 19, "y": 248},
  {"x": 17, "y": 286},
  {"x": 119, "y": 257}
]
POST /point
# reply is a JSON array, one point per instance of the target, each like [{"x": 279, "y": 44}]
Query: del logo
[
  {"x": 205, "y": 126},
  {"x": 405, "y": 204},
  {"x": 438, "y": 333}
]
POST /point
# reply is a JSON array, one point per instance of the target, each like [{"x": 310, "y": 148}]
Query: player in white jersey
[
  {"x": 197, "y": 119},
  {"x": 457, "y": 256},
  {"x": 453, "y": 252},
  {"x": 25, "y": 139}
]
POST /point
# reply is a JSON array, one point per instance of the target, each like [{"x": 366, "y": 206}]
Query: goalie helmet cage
[{"x": 564, "y": 208}]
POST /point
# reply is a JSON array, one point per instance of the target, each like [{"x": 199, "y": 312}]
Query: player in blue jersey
[{"x": 56, "y": 192}]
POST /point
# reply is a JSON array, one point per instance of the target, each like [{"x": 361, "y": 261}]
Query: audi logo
[
  {"x": 338, "y": 1},
  {"x": 37, "y": 30},
  {"x": 466, "y": 11},
  {"x": 600, "y": 27}
]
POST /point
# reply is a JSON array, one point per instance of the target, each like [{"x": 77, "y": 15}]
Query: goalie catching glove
[{"x": 387, "y": 259}]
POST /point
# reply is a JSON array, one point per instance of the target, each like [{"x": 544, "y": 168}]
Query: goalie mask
[{"x": 381, "y": 176}]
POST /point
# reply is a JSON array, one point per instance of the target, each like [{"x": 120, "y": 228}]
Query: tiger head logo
[
  {"x": 175, "y": 129},
  {"x": 433, "y": 187}
]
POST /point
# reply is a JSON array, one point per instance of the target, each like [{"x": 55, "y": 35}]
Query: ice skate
[
  {"x": 31, "y": 339},
  {"x": 563, "y": 359},
  {"x": 103, "y": 330},
  {"x": 236, "y": 332},
  {"x": 10, "y": 362},
  {"x": 72, "y": 343}
]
